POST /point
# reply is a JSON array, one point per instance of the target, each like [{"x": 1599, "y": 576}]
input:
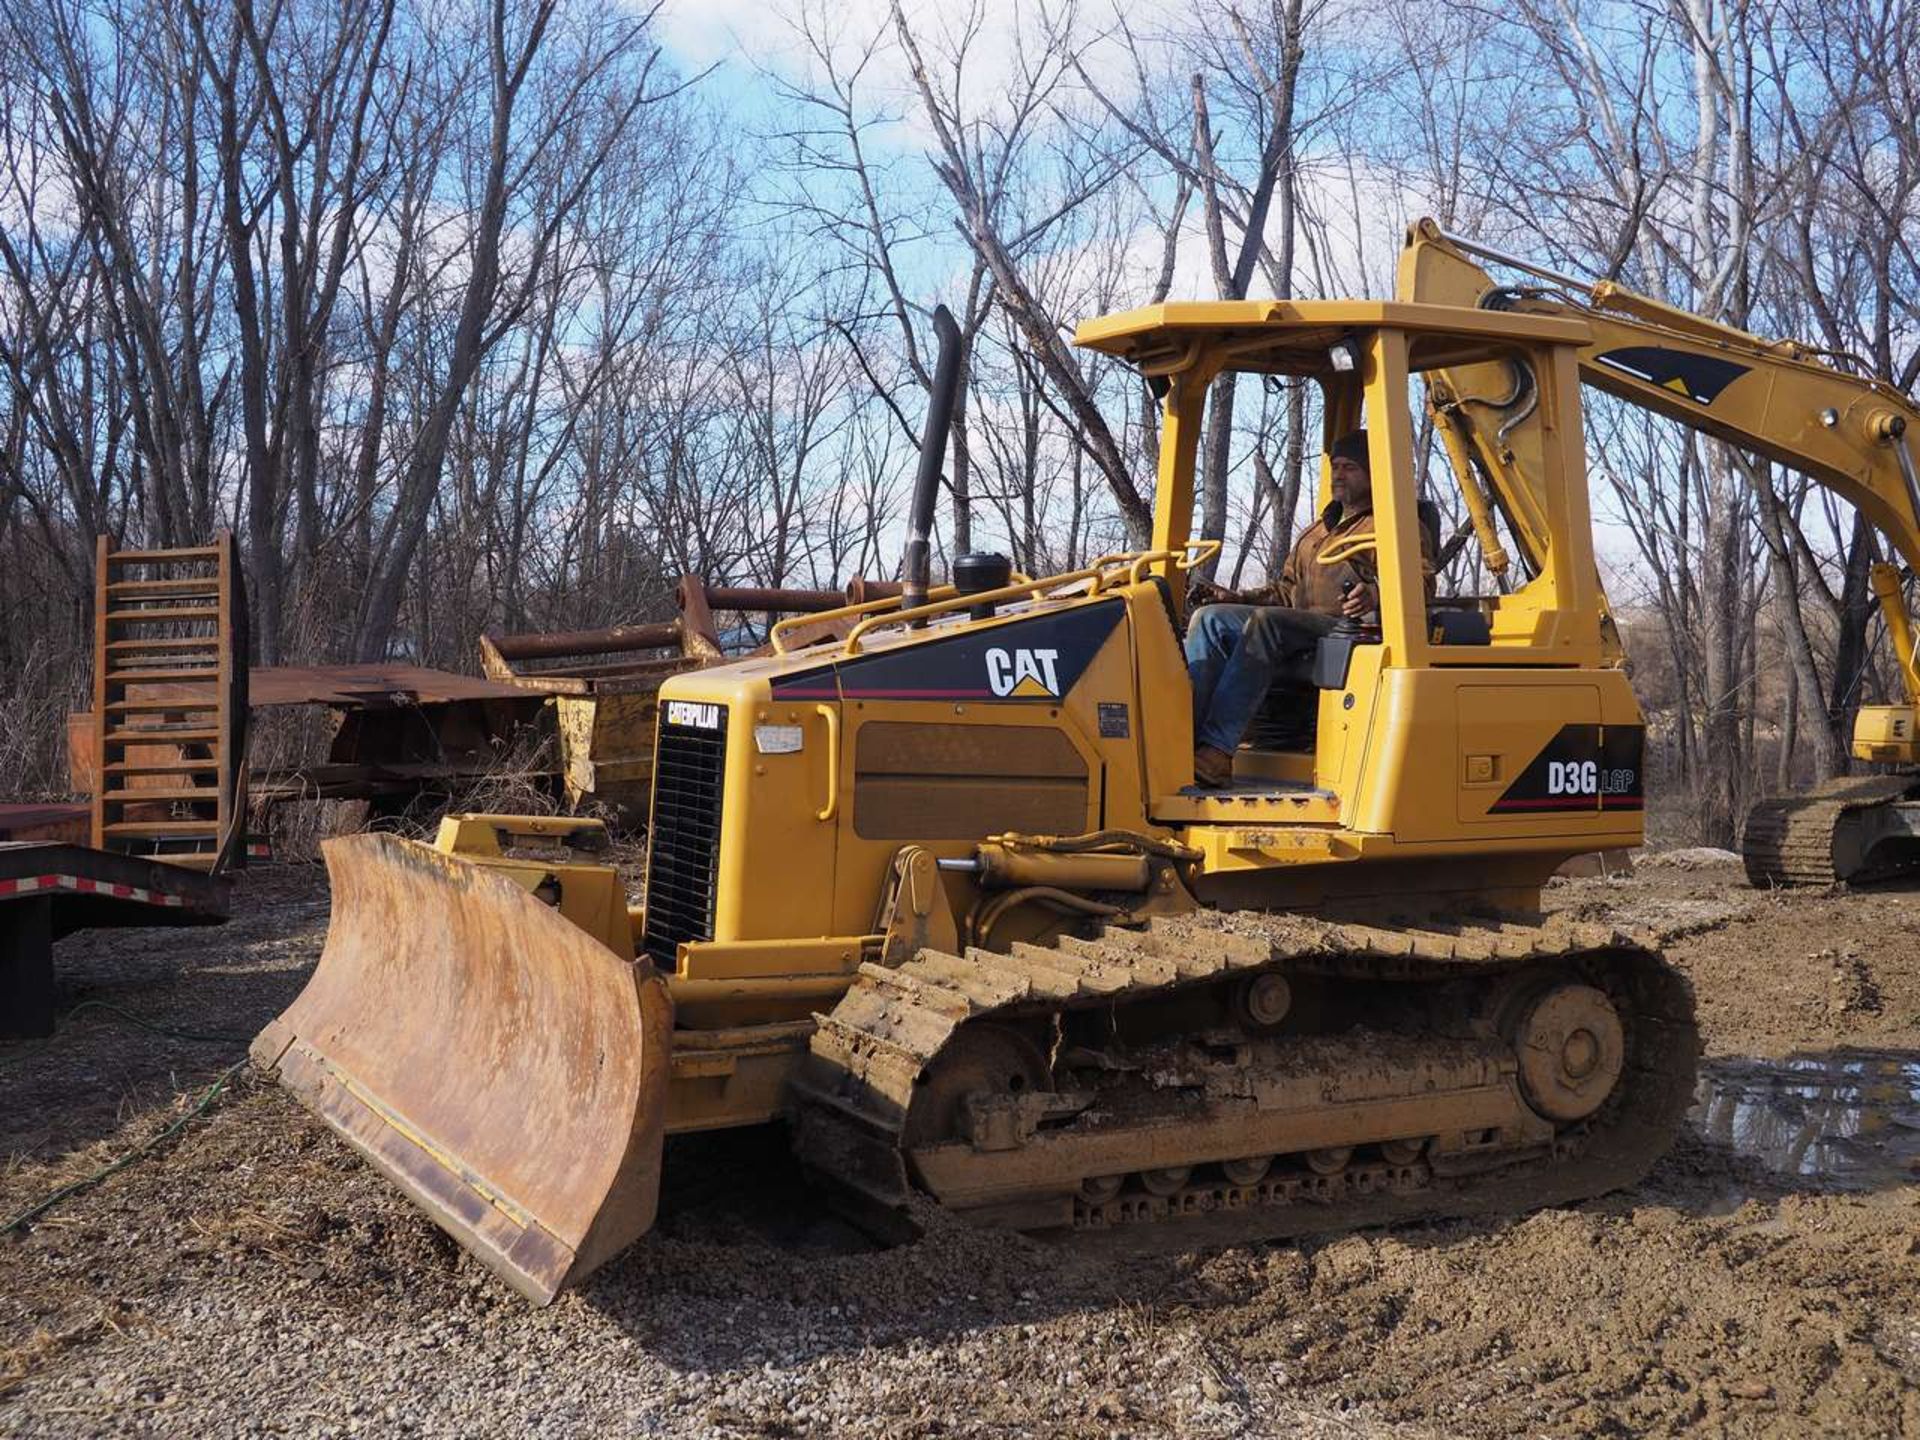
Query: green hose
[
  {"x": 28, "y": 1216},
  {"x": 113, "y": 1009},
  {"x": 34, "y": 1212}
]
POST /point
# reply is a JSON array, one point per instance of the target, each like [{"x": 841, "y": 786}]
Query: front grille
[{"x": 683, "y": 860}]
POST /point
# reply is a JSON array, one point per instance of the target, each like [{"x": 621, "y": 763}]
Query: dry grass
[
  {"x": 48, "y": 683},
  {"x": 19, "y": 1362},
  {"x": 521, "y": 780}
]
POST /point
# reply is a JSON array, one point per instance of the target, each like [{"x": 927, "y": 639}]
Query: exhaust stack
[{"x": 916, "y": 570}]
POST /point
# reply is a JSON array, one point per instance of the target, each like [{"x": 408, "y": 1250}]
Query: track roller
[
  {"x": 1330, "y": 1160},
  {"x": 1402, "y": 1152},
  {"x": 1169, "y": 1181}
]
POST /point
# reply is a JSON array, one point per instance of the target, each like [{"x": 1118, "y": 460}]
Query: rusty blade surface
[{"x": 501, "y": 1066}]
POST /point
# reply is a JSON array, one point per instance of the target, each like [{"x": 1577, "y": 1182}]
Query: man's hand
[
  {"x": 1359, "y": 600},
  {"x": 1205, "y": 592}
]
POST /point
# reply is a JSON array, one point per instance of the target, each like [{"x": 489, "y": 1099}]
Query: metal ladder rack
[{"x": 170, "y": 703}]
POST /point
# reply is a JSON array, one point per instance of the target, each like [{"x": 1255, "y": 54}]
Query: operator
[{"x": 1236, "y": 650}]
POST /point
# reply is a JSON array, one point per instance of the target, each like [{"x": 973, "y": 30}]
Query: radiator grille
[{"x": 683, "y": 857}]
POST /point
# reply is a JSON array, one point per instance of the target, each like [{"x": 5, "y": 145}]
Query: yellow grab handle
[
  {"x": 832, "y": 717},
  {"x": 1346, "y": 548}
]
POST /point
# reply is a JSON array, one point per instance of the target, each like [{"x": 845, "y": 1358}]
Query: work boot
[{"x": 1212, "y": 769}]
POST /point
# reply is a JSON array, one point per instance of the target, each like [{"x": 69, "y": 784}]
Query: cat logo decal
[{"x": 1023, "y": 674}]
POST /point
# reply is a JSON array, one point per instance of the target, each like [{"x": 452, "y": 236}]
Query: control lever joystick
[{"x": 1366, "y": 627}]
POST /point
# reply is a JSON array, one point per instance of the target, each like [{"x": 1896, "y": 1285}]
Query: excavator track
[
  {"x": 1249, "y": 1075},
  {"x": 1807, "y": 840}
]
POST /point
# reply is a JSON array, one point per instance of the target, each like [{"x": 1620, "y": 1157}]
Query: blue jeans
[{"x": 1234, "y": 653}]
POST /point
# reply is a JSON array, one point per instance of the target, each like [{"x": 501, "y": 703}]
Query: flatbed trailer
[{"x": 49, "y": 890}]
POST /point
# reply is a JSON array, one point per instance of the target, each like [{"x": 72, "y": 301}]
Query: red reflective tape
[
  {"x": 30, "y": 884},
  {"x": 85, "y": 885}
]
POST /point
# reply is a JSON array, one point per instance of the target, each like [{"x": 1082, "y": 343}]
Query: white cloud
[{"x": 994, "y": 42}]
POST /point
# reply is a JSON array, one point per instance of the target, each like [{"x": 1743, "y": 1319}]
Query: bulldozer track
[
  {"x": 871, "y": 1057},
  {"x": 1789, "y": 840}
]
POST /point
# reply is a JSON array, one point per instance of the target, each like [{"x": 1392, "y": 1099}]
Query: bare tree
[
  {"x": 982, "y": 161},
  {"x": 539, "y": 159}
]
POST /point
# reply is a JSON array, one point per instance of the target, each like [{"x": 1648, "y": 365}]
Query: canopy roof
[{"x": 1291, "y": 337}]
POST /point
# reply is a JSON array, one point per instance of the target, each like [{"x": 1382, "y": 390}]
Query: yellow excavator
[
  {"x": 932, "y": 883},
  {"x": 1775, "y": 399}
]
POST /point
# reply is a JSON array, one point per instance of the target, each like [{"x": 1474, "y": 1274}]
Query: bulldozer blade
[{"x": 499, "y": 1064}]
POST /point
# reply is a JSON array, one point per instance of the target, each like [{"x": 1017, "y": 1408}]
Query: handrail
[
  {"x": 777, "y": 635},
  {"x": 1031, "y": 589},
  {"x": 832, "y": 807},
  {"x": 1346, "y": 547},
  {"x": 1194, "y": 552}
]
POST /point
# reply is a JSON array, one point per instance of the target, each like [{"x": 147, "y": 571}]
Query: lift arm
[{"x": 1776, "y": 399}]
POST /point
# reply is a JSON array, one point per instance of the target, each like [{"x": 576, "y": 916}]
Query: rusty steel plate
[{"x": 500, "y": 1065}]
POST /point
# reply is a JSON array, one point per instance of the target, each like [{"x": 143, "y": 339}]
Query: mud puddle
[{"x": 1847, "y": 1116}]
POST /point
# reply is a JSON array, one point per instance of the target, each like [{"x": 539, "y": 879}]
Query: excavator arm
[{"x": 1775, "y": 399}]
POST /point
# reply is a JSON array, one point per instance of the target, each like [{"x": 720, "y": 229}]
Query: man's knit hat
[{"x": 1353, "y": 447}]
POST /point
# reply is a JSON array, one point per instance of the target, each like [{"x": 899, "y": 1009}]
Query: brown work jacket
[{"x": 1305, "y": 584}]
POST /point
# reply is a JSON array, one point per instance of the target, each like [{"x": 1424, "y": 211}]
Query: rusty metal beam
[
  {"x": 860, "y": 590},
  {"x": 793, "y": 602},
  {"x": 614, "y": 640},
  {"x": 697, "y": 601}
]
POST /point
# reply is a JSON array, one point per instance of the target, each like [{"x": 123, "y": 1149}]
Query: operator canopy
[{"x": 1297, "y": 337}]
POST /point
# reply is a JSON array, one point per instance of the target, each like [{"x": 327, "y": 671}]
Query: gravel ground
[{"x": 251, "y": 1275}]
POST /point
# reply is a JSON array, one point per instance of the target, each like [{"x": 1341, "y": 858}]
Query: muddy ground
[{"x": 250, "y": 1275}]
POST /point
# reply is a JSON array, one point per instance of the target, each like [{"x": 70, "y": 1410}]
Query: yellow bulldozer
[{"x": 940, "y": 892}]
